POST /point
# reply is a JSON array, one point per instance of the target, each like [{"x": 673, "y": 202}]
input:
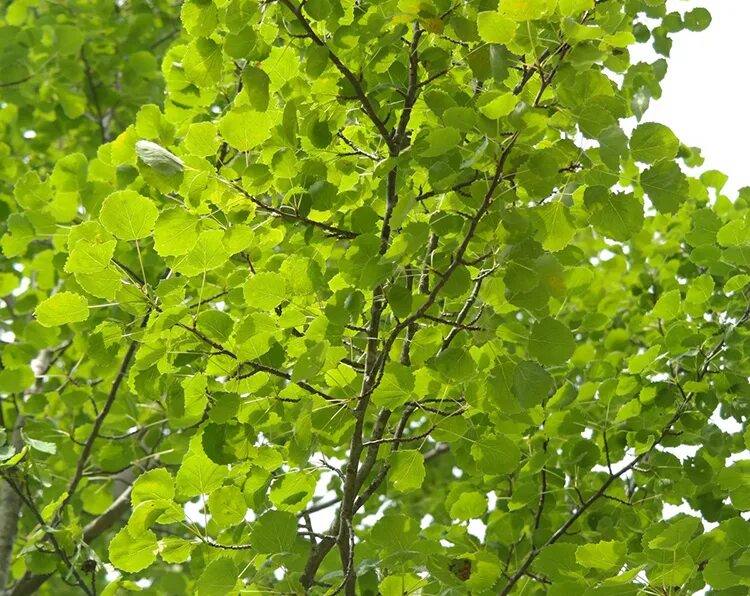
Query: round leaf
[{"x": 128, "y": 215}]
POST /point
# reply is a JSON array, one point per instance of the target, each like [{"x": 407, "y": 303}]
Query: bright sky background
[{"x": 705, "y": 93}]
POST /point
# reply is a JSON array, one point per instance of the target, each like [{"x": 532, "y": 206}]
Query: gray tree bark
[{"x": 10, "y": 508}]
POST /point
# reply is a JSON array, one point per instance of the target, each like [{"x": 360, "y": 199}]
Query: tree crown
[{"x": 363, "y": 297}]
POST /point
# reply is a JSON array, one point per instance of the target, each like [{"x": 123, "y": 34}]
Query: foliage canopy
[{"x": 411, "y": 267}]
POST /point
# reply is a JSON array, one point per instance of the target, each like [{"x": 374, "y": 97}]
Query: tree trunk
[{"x": 10, "y": 507}]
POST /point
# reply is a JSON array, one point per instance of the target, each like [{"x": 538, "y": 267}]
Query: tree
[{"x": 393, "y": 265}]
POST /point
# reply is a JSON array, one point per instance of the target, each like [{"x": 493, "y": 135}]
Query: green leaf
[
  {"x": 667, "y": 307},
  {"x": 102, "y": 284},
  {"x": 16, "y": 380},
  {"x": 455, "y": 364},
  {"x": 617, "y": 216},
  {"x": 70, "y": 172},
  {"x": 551, "y": 342},
  {"x": 207, "y": 253},
  {"x": 174, "y": 550},
  {"x": 407, "y": 470},
  {"x": 440, "y": 141},
  {"x": 733, "y": 233},
  {"x": 719, "y": 575},
  {"x": 697, "y": 19},
  {"x": 558, "y": 562},
  {"x": 153, "y": 485},
  {"x": 319, "y": 133},
  {"x": 215, "y": 324},
  {"x": 573, "y": 7},
  {"x": 558, "y": 225},
  {"x": 265, "y": 291},
  {"x": 651, "y": 142},
  {"x": 245, "y": 129},
  {"x": 630, "y": 410},
  {"x": 133, "y": 553},
  {"x": 640, "y": 362},
  {"x": 318, "y": 9},
  {"x": 527, "y": 10},
  {"x": 255, "y": 84},
  {"x": 496, "y": 454},
  {"x": 30, "y": 192},
  {"x": 293, "y": 491},
  {"x": 202, "y": 139},
  {"x": 128, "y": 215},
  {"x": 218, "y": 579},
  {"x": 666, "y": 186},
  {"x": 396, "y": 386},
  {"x": 274, "y": 532},
  {"x": 227, "y": 506},
  {"x": 463, "y": 119},
  {"x": 310, "y": 362},
  {"x": 42, "y": 446},
  {"x": 397, "y": 585},
  {"x": 400, "y": 301},
  {"x": 203, "y": 62},
  {"x": 701, "y": 290},
  {"x": 736, "y": 282},
  {"x": 175, "y": 232},
  {"x": 601, "y": 555},
  {"x": 486, "y": 570},
  {"x": 8, "y": 283},
  {"x": 495, "y": 28},
  {"x": 469, "y": 505},
  {"x": 9, "y": 457},
  {"x": 198, "y": 475},
  {"x": 150, "y": 123},
  {"x": 62, "y": 308},
  {"x": 90, "y": 257},
  {"x": 146, "y": 514},
  {"x": 531, "y": 384},
  {"x": 497, "y": 105},
  {"x": 678, "y": 533},
  {"x": 19, "y": 234},
  {"x": 199, "y": 17}
]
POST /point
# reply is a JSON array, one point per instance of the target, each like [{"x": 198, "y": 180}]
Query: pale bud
[{"x": 158, "y": 158}]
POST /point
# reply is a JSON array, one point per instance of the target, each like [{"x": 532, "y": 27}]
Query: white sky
[{"x": 705, "y": 99}]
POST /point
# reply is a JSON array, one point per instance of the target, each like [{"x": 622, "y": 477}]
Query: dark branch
[{"x": 367, "y": 105}]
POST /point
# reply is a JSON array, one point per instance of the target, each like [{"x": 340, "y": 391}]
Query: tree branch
[
  {"x": 10, "y": 501},
  {"x": 10, "y": 508},
  {"x": 94, "y": 97},
  {"x": 423, "y": 196},
  {"x": 356, "y": 150},
  {"x": 257, "y": 366},
  {"x": 457, "y": 257},
  {"x": 367, "y": 105},
  {"x": 331, "y": 230},
  {"x": 462, "y": 314},
  {"x": 49, "y": 534},
  {"x": 395, "y": 439},
  {"x": 99, "y": 421},
  {"x": 383, "y": 472},
  {"x": 17, "y": 81}
]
